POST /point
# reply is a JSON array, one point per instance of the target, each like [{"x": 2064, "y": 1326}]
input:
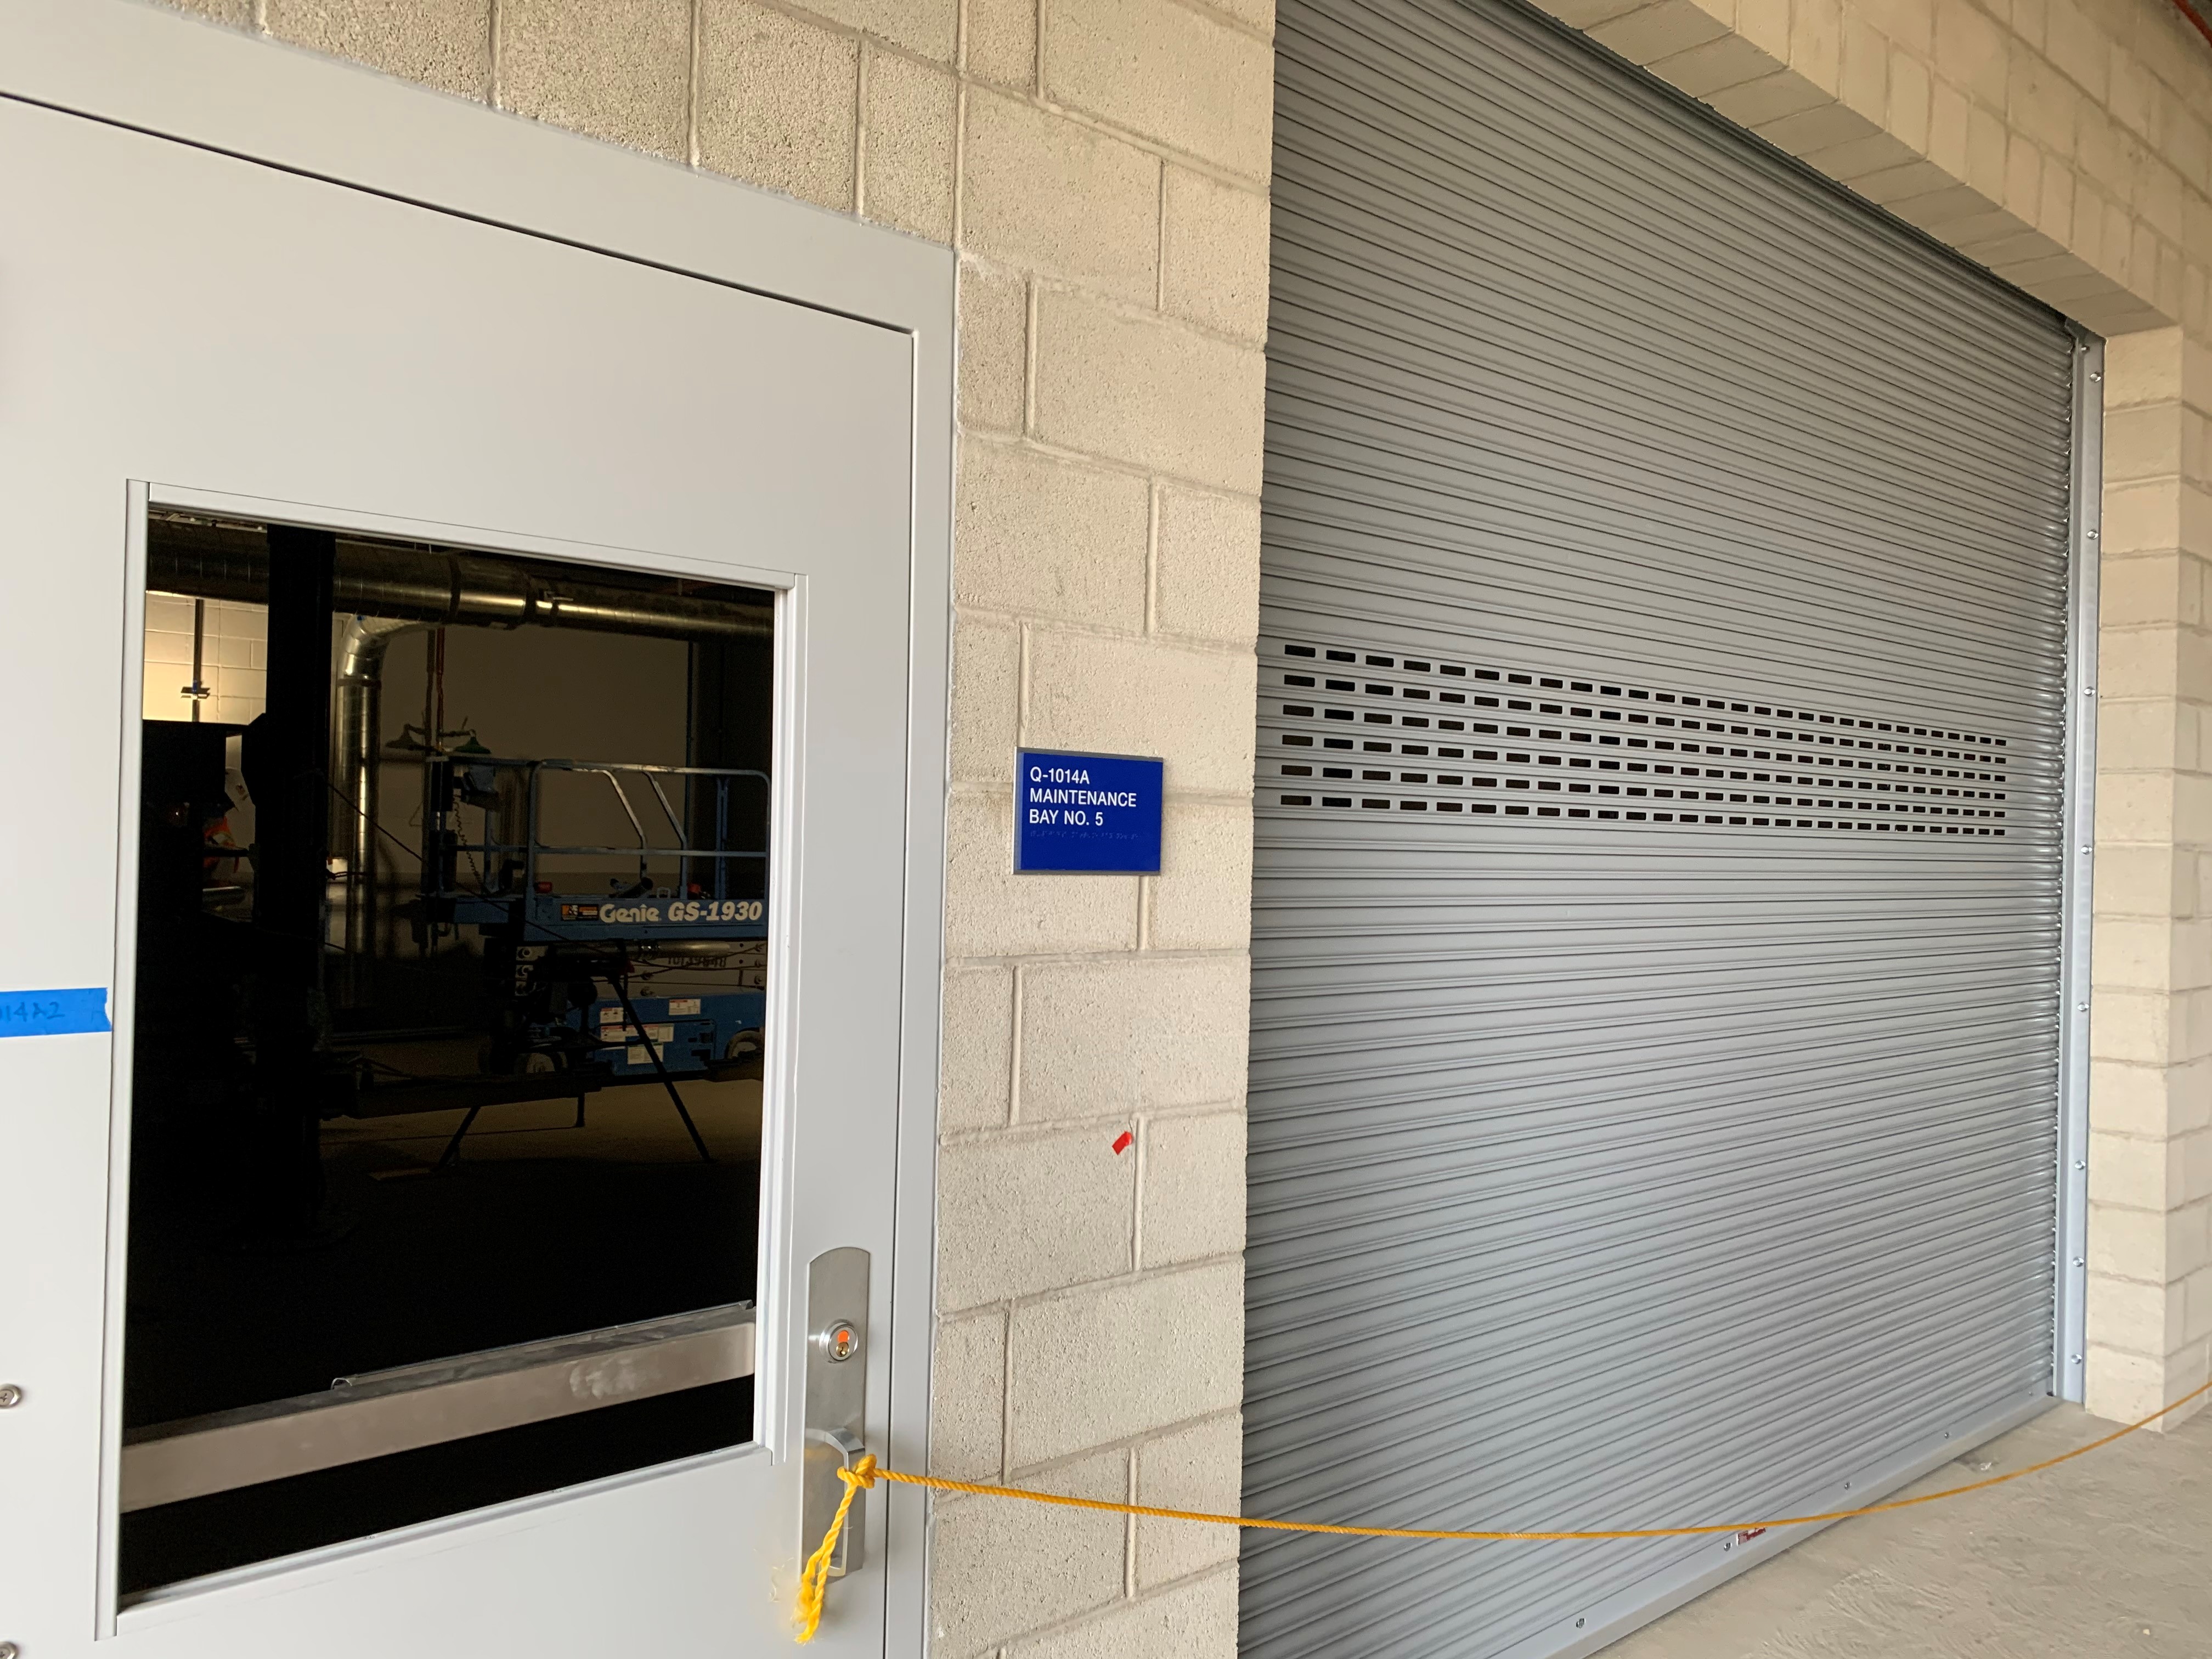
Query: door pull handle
[
  {"x": 834, "y": 1422},
  {"x": 846, "y": 1448}
]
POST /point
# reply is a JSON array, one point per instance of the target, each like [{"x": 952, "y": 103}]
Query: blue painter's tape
[{"x": 53, "y": 1014}]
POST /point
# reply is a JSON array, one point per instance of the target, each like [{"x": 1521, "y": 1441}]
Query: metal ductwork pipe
[
  {"x": 357, "y": 725},
  {"x": 385, "y": 579}
]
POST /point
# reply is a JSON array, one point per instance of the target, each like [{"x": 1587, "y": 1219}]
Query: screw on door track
[{"x": 10, "y": 1395}]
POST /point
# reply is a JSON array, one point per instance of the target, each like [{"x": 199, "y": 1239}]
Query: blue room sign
[{"x": 1086, "y": 812}]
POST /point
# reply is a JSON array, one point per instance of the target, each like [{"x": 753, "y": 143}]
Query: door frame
[
  {"x": 2078, "y": 844},
  {"x": 146, "y": 68}
]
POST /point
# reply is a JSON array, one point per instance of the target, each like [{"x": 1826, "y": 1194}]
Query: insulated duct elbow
[{"x": 357, "y": 738}]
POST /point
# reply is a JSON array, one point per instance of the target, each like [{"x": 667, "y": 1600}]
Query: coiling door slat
[{"x": 1656, "y": 903}]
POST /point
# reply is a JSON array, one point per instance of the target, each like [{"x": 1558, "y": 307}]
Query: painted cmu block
[
  {"x": 967, "y": 1420},
  {"x": 1125, "y": 695},
  {"x": 2145, "y": 881},
  {"x": 1819, "y": 131},
  {"x": 1205, "y": 565},
  {"x": 1816, "y": 43},
  {"x": 994, "y": 362},
  {"x": 1166, "y": 71},
  {"x": 2134, "y": 1317},
  {"x": 2152, "y": 954},
  {"x": 1194, "y": 1618},
  {"x": 1201, "y": 900},
  {"x": 2195, "y": 1158},
  {"x": 2147, "y": 736},
  {"x": 1048, "y": 195},
  {"x": 1193, "y": 1199},
  {"x": 924, "y": 27},
  {"x": 1198, "y": 1468},
  {"x": 1023, "y": 1212},
  {"x": 999, "y": 1568},
  {"x": 1043, "y": 535},
  {"x": 2197, "y": 1316},
  {"x": 1126, "y": 383},
  {"x": 2135, "y": 1172},
  {"x": 2119, "y": 1377},
  {"x": 975, "y": 1087},
  {"x": 1107, "y": 1036},
  {"x": 1258, "y": 15},
  {"x": 1588, "y": 13},
  {"x": 2189, "y": 1243},
  {"x": 446, "y": 44},
  {"x": 2144, "y": 440},
  {"x": 1213, "y": 255},
  {"x": 2143, "y": 518},
  {"x": 1728, "y": 61},
  {"x": 1095, "y": 1366},
  {"x": 778, "y": 101},
  {"x": 987, "y": 683},
  {"x": 910, "y": 114},
  {"x": 1754, "y": 104},
  {"x": 2133, "y": 1027},
  {"x": 1660, "y": 30},
  {"x": 2131, "y": 1244},
  {"x": 620, "y": 72},
  {"x": 1000, "y": 42},
  {"x": 2140, "y": 661},
  {"x": 993, "y": 912}
]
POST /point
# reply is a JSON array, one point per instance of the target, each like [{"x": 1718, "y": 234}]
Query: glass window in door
[{"x": 448, "y": 1029}]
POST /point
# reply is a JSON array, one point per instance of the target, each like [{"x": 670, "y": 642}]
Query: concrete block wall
[
  {"x": 2150, "y": 1162},
  {"x": 2066, "y": 145},
  {"x": 233, "y": 659},
  {"x": 1101, "y": 166}
]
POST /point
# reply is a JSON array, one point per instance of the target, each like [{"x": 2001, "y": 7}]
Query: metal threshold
[{"x": 381, "y": 1413}]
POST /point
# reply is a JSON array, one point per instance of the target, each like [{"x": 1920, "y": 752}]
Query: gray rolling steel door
[{"x": 1656, "y": 1028}]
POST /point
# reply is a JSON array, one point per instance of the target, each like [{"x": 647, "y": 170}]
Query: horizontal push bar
[{"x": 381, "y": 1413}]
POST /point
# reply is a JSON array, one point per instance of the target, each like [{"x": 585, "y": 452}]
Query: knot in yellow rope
[{"x": 814, "y": 1577}]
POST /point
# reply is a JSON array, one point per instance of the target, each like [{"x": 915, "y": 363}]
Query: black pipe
[
  {"x": 286, "y": 753},
  {"x": 285, "y": 758}
]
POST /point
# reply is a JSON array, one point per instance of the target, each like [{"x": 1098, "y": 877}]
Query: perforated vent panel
[
  {"x": 1656, "y": 893},
  {"x": 1359, "y": 723}
]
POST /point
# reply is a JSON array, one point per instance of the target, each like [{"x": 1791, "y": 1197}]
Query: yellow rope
[
  {"x": 814, "y": 1577},
  {"x": 864, "y": 1475}
]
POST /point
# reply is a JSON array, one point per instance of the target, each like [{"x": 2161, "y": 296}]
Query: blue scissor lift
[{"x": 551, "y": 951}]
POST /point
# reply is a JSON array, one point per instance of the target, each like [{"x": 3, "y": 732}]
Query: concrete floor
[{"x": 2110, "y": 1555}]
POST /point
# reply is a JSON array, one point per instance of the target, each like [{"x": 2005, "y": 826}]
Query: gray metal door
[
  {"x": 1656, "y": 1028},
  {"x": 307, "y": 352}
]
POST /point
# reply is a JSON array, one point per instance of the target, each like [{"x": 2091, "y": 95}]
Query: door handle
[
  {"x": 837, "y": 1402},
  {"x": 846, "y": 1448}
]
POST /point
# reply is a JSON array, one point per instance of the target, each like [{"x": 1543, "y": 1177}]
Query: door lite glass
[{"x": 452, "y": 979}]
